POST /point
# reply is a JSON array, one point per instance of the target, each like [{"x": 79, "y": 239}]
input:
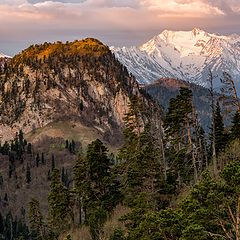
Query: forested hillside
[
  {"x": 55, "y": 99},
  {"x": 167, "y": 180}
]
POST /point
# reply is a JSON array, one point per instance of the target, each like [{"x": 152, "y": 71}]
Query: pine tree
[
  {"x": 230, "y": 174},
  {"x": 235, "y": 129},
  {"x": 60, "y": 212},
  {"x": 180, "y": 125},
  {"x": 1, "y": 225},
  {"x": 99, "y": 164},
  {"x": 5, "y": 197},
  {"x": 66, "y": 144},
  {"x": 82, "y": 187},
  {"x": 29, "y": 148},
  {"x": 220, "y": 137},
  {"x": 63, "y": 175},
  {"x": 28, "y": 175},
  {"x": 8, "y": 229},
  {"x": 53, "y": 163},
  {"x": 11, "y": 165},
  {"x": 49, "y": 175},
  {"x": 42, "y": 159},
  {"x": 144, "y": 171},
  {"x": 73, "y": 147},
  {"x": 96, "y": 187},
  {"x": 229, "y": 90},
  {"x": 37, "y": 160},
  {"x": 36, "y": 220}
]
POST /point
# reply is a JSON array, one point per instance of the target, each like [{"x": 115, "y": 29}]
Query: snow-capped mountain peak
[
  {"x": 182, "y": 54},
  {"x": 186, "y": 42}
]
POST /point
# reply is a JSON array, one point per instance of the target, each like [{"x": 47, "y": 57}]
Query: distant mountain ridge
[
  {"x": 184, "y": 55},
  {"x": 164, "y": 89}
]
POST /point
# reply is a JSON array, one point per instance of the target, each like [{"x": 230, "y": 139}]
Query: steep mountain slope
[
  {"x": 79, "y": 81},
  {"x": 182, "y": 54}
]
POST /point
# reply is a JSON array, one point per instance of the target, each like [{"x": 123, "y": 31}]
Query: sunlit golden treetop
[{"x": 85, "y": 47}]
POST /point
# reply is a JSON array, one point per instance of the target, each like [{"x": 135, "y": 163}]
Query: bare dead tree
[
  {"x": 229, "y": 92},
  {"x": 210, "y": 79}
]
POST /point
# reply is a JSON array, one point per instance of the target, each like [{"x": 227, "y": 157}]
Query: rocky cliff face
[{"x": 79, "y": 81}]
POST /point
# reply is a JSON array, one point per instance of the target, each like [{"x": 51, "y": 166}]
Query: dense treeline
[
  {"x": 147, "y": 179},
  {"x": 139, "y": 179},
  {"x": 20, "y": 154}
]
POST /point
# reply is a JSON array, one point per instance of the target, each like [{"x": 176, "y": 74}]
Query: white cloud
[{"x": 184, "y": 8}]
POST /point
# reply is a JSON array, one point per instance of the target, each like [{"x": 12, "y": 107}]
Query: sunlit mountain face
[{"x": 185, "y": 55}]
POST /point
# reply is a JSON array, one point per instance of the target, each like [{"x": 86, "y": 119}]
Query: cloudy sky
[{"x": 115, "y": 22}]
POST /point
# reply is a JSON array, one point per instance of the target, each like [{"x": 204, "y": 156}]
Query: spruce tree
[
  {"x": 66, "y": 144},
  {"x": 42, "y": 159},
  {"x": 8, "y": 228},
  {"x": 235, "y": 129},
  {"x": 21, "y": 138},
  {"x": 73, "y": 147},
  {"x": 144, "y": 171},
  {"x": 220, "y": 137},
  {"x": 99, "y": 163},
  {"x": 81, "y": 187},
  {"x": 29, "y": 148},
  {"x": 96, "y": 187},
  {"x": 5, "y": 197},
  {"x": 37, "y": 160},
  {"x": 60, "y": 212},
  {"x": 28, "y": 175},
  {"x": 1, "y": 225},
  {"x": 53, "y": 162},
  {"x": 36, "y": 220},
  {"x": 180, "y": 128}
]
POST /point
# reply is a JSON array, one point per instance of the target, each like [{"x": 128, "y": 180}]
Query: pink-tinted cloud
[{"x": 183, "y": 8}]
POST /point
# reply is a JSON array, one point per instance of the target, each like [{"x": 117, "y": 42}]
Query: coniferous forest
[
  {"x": 182, "y": 186},
  {"x": 165, "y": 182}
]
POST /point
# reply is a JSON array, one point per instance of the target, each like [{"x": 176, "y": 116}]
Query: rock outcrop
[{"x": 77, "y": 81}]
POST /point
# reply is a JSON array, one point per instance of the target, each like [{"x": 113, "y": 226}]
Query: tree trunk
[
  {"x": 235, "y": 94},
  {"x": 214, "y": 155},
  {"x": 238, "y": 219},
  {"x": 163, "y": 151},
  {"x": 192, "y": 151},
  {"x": 211, "y": 91},
  {"x": 80, "y": 212}
]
